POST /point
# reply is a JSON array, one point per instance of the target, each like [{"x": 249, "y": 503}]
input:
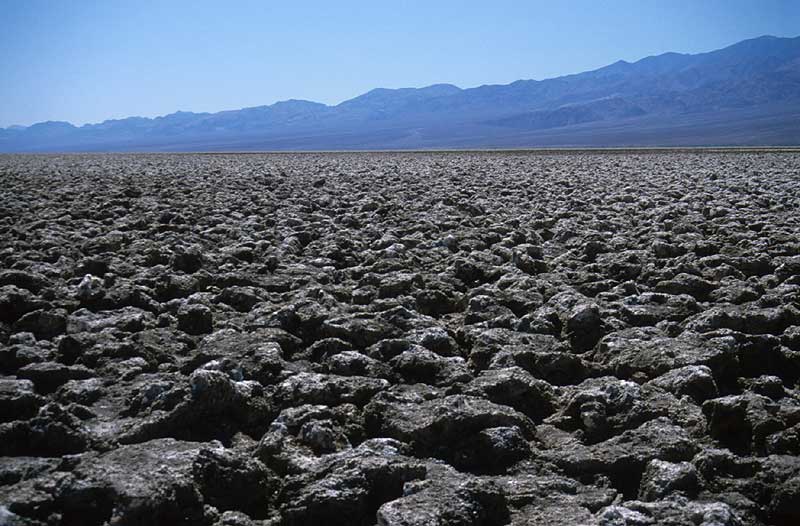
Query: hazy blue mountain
[
  {"x": 747, "y": 93},
  {"x": 575, "y": 113}
]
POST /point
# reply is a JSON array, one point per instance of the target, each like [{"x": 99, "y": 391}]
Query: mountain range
[{"x": 744, "y": 94}]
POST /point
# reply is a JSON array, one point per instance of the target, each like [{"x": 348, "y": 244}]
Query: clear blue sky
[{"x": 86, "y": 61}]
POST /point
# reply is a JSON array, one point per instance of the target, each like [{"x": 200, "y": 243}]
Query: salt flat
[{"x": 453, "y": 338}]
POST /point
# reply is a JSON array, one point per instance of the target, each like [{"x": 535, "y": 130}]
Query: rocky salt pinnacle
[{"x": 461, "y": 339}]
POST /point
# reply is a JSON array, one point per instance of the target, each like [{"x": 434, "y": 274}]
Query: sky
[{"x": 87, "y": 61}]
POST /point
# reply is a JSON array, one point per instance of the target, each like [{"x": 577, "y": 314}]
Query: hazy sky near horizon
[{"x": 86, "y": 61}]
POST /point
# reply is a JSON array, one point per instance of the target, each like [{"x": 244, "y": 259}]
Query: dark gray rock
[
  {"x": 314, "y": 388},
  {"x": 15, "y": 302},
  {"x": 214, "y": 406},
  {"x": 152, "y": 482},
  {"x": 84, "y": 392},
  {"x": 42, "y": 323},
  {"x": 695, "y": 381},
  {"x": 662, "y": 478},
  {"x": 351, "y": 486},
  {"x": 471, "y": 502},
  {"x": 552, "y": 500},
  {"x": 437, "y": 427},
  {"x": 485, "y": 309},
  {"x": 784, "y": 442},
  {"x": 623, "y": 455},
  {"x": 553, "y": 366},
  {"x": 491, "y": 450},
  {"x": 23, "y": 279},
  {"x": 742, "y": 422},
  {"x": 648, "y": 309},
  {"x": 515, "y": 387},
  {"x": 436, "y": 302},
  {"x": 650, "y": 353},
  {"x": 418, "y": 364},
  {"x": 746, "y": 319},
  {"x": 243, "y": 299},
  {"x": 48, "y": 376},
  {"x": 670, "y": 512},
  {"x": 584, "y": 326},
  {"x": 435, "y": 339},
  {"x": 689, "y": 284},
  {"x": 230, "y": 480},
  {"x": 353, "y": 363},
  {"x": 127, "y": 319},
  {"x": 188, "y": 259},
  {"x": 299, "y": 436},
  {"x": 791, "y": 337},
  {"x": 18, "y": 401},
  {"x": 784, "y": 508},
  {"x": 195, "y": 319},
  {"x": 259, "y": 354},
  {"x": 54, "y": 431}
]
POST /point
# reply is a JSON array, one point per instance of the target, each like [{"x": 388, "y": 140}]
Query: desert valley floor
[{"x": 402, "y": 339}]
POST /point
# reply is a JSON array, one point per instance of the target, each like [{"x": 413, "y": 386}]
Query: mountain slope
[{"x": 747, "y": 93}]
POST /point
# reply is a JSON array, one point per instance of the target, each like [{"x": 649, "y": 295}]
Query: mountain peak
[
  {"x": 442, "y": 88},
  {"x": 296, "y": 103}
]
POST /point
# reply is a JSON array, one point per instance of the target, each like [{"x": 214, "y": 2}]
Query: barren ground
[{"x": 400, "y": 339}]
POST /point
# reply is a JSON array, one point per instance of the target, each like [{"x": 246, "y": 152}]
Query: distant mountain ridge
[{"x": 744, "y": 94}]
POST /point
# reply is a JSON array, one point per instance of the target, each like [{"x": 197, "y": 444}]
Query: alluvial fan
[{"x": 467, "y": 338}]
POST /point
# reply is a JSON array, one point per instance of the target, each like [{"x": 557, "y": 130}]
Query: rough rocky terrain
[{"x": 401, "y": 339}]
